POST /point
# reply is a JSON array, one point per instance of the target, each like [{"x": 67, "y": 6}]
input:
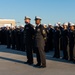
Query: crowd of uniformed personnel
[
  {"x": 40, "y": 39},
  {"x": 12, "y": 37}
]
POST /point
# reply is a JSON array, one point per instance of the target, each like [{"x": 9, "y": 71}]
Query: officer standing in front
[
  {"x": 40, "y": 36},
  {"x": 28, "y": 39}
]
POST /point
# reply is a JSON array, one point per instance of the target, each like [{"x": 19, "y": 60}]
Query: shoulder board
[{"x": 32, "y": 25}]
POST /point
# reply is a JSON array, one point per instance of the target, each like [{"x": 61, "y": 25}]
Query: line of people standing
[
  {"x": 66, "y": 38},
  {"x": 40, "y": 39},
  {"x": 53, "y": 39}
]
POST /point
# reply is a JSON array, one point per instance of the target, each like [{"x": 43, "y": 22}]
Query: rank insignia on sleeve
[{"x": 44, "y": 32}]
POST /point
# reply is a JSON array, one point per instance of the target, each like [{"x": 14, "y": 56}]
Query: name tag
[
  {"x": 27, "y": 28},
  {"x": 38, "y": 30}
]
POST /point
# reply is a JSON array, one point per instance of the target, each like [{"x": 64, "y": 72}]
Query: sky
[{"x": 51, "y": 11}]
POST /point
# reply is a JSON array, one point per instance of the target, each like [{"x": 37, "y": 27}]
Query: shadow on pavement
[
  {"x": 48, "y": 56},
  {"x": 12, "y": 60},
  {"x": 6, "y": 50}
]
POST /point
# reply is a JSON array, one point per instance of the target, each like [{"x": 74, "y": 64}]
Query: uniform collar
[
  {"x": 38, "y": 25},
  {"x": 27, "y": 23}
]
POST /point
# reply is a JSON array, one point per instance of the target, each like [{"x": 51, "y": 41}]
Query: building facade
[{"x": 7, "y": 22}]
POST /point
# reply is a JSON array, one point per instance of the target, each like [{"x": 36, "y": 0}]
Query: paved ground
[{"x": 12, "y": 63}]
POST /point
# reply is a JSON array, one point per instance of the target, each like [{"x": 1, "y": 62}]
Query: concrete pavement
[{"x": 12, "y": 63}]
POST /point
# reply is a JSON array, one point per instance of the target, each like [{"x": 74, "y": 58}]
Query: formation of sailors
[{"x": 40, "y": 39}]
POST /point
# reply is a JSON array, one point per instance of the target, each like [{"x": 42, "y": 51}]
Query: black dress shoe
[
  {"x": 30, "y": 63},
  {"x": 63, "y": 57},
  {"x": 74, "y": 61},
  {"x": 42, "y": 67},
  {"x": 8, "y": 47},
  {"x": 26, "y": 62},
  {"x": 36, "y": 65},
  {"x": 57, "y": 57},
  {"x": 66, "y": 58},
  {"x": 54, "y": 56},
  {"x": 71, "y": 60}
]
